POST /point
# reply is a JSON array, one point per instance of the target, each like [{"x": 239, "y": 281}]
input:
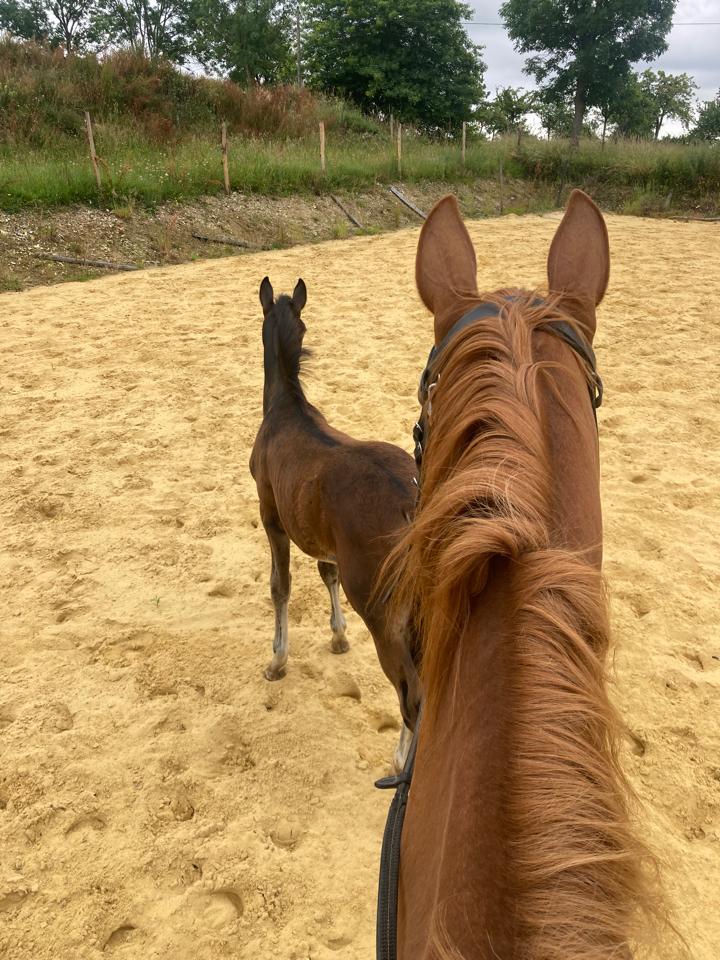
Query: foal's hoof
[
  {"x": 339, "y": 645},
  {"x": 273, "y": 673}
]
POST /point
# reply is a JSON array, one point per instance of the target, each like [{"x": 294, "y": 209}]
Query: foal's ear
[
  {"x": 445, "y": 266},
  {"x": 299, "y": 297},
  {"x": 579, "y": 257},
  {"x": 267, "y": 298}
]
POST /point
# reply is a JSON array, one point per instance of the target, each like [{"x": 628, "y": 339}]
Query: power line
[{"x": 680, "y": 23}]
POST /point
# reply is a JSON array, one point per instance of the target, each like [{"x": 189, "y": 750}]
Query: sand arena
[{"x": 160, "y": 799}]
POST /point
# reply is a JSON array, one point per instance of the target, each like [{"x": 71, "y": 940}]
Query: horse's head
[
  {"x": 283, "y": 332},
  {"x": 284, "y": 314},
  {"x": 578, "y": 263}
]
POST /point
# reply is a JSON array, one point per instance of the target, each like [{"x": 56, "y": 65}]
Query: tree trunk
[
  {"x": 658, "y": 124},
  {"x": 604, "y": 130},
  {"x": 579, "y": 112}
]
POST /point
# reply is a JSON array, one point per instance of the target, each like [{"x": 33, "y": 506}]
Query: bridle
[
  {"x": 429, "y": 377},
  {"x": 387, "y": 908}
]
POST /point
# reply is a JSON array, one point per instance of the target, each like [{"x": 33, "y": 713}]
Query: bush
[{"x": 43, "y": 95}]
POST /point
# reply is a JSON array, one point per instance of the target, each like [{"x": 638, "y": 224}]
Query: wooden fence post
[
  {"x": 399, "y": 150},
  {"x": 93, "y": 155},
  {"x": 501, "y": 185},
  {"x": 464, "y": 142},
  {"x": 224, "y": 141},
  {"x": 322, "y": 147}
]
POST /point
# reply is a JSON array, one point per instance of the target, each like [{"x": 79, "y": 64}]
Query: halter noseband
[{"x": 386, "y": 929}]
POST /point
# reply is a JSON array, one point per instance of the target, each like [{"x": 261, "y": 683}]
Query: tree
[
  {"x": 61, "y": 23},
  {"x": 72, "y": 20},
  {"x": 154, "y": 28},
  {"x": 584, "y": 47},
  {"x": 506, "y": 112},
  {"x": 555, "y": 113},
  {"x": 628, "y": 109},
  {"x": 671, "y": 96},
  {"x": 708, "y": 123},
  {"x": 25, "y": 19},
  {"x": 412, "y": 58},
  {"x": 246, "y": 40}
]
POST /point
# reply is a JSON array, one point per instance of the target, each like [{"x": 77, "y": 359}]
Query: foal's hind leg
[
  {"x": 329, "y": 574},
  {"x": 280, "y": 592}
]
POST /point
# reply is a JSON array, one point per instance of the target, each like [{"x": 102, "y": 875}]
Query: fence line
[
  {"x": 93, "y": 155},
  {"x": 224, "y": 142}
]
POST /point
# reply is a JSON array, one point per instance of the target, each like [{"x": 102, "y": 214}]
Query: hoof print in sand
[
  {"x": 345, "y": 685},
  {"x": 215, "y": 907},
  {"x": 85, "y": 826},
  {"x": 286, "y": 833},
  {"x": 120, "y": 936}
]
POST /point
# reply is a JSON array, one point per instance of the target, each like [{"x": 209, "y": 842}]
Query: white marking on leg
[
  {"x": 275, "y": 668},
  {"x": 337, "y": 620}
]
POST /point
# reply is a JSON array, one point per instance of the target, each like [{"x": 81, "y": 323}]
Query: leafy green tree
[
  {"x": 671, "y": 96},
  {"x": 246, "y": 40},
  {"x": 555, "y": 113},
  {"x": 627, "y": 109},
  {"x": 412, "y": 58},
  {"x": 154, "y": 28},
  {"x": 71, "y": 20},
  {"x": 507, "y": 112},
  {"x": 62, "y": 23},
  {"x": 708, "y": 122},
  {"x": 25, "y": 19},
  {"x": 582, "y": 47}
]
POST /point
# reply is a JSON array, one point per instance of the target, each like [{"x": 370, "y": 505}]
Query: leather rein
[{"x": 387, "y": 906}]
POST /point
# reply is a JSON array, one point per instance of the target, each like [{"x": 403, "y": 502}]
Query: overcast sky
[{"x": 691, "y": 49}]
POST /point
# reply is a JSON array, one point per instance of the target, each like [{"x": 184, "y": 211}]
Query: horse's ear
[
  {"x": 299, "y": 297},
  {"x": 267, "y": 298},
  {"x": 579, "y": 257},
  {"x": 445, "y": 266}
]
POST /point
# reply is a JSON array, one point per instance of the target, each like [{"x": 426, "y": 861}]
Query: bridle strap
[
  {"x": 561, "y": 328},
  {"x": 480, "y": 312},
  {"x": 387, "y": 904},
  {"x": 583, "y": 349}
]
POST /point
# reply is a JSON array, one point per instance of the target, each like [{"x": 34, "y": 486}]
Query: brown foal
[
  {"x": 517, "y": 843},
  {"x": 342, "y": 501}
]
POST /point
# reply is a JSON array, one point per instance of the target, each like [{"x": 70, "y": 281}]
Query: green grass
[
  {"x": 140, "y": 172},
  {"x": 137, "y": 171},
  {"x": 690, "y": 168}
]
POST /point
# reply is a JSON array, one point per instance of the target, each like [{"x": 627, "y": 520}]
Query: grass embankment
[{"x": 157, "y": 136}]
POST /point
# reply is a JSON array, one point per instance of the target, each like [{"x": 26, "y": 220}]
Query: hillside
[{"x": 157, "y": 135}]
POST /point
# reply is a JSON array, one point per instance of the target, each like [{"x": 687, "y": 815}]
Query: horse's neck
[
  {"x": 278, "y": 389},
  {"x": 460, "y": 854},
  {"x": 454, "y": 875},
  {"x": 572, "y": 447}
]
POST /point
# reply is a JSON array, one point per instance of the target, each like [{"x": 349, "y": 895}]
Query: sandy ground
[{"x": 160, "y": 799}]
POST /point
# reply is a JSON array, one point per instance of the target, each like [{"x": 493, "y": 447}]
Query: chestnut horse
[
  {"x": 517, "y": 843},
  {"x": 342, "y": 501}
]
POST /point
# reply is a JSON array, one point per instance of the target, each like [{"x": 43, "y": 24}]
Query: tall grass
[
  {"x": 133, "y": 168},
  {"x": 691, "y": 168}
]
